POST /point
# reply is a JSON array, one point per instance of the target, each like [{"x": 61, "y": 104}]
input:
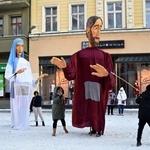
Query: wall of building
[
  {"x": 65, "y": 42},
  {"x": 138, "y": 13},
  {"x": 135, "y": 43},
  {"x": 63, "y": 10}
]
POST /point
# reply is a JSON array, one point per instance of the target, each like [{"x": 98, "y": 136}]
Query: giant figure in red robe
[{"x": 89, "y": 68}]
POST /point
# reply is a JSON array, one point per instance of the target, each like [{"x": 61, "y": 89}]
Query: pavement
[
  {"x": 120, "y": 134},
  {"x": 4, "y": 104}
]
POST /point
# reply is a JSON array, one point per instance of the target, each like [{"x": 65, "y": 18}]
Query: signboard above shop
[
  {"x": 111, "y": 44},
  {"x": 1, "y": 85},
  {"x": 2, "y": 67}
]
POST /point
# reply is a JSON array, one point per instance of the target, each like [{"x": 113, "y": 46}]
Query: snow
[{"x": 120, "y": 134}]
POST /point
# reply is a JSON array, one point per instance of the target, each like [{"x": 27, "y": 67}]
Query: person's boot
[
  {"x": 36, "y": 123},
  {"x": 92, "y": 131},
  {"x": 66, "y": 131},
  {"x": 54, "y": 132},
  {"x": 138, "y": 143},
  {"x": 43, "y": 124},
  {"x": 98, "y": 134}
]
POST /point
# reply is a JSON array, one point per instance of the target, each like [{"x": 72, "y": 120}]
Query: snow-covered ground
[{"x": 120, "y": 134}]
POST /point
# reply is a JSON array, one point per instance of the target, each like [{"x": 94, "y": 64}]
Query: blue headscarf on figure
[{"x": 13, "y": 54}]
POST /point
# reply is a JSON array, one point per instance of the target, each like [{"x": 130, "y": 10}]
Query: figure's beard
[{"x": 94, "y": 41}]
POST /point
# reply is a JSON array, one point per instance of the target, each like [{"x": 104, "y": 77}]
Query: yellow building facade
[{"x": 60, "y": 31}]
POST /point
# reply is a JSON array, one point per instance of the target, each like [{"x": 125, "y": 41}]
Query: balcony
[
  {"x": 6, "y": 42},
  {"x": 13, "y": 4}
]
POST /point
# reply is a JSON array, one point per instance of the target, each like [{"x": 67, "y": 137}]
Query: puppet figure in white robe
[{"x": 18, "y": 72}]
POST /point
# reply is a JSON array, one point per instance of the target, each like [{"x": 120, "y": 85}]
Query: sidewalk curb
[
  {"x": 43, "y": 110},
  {"x": 66, "y": 110}
]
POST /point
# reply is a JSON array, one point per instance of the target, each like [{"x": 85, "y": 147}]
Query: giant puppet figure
[
  {"x": 18, "y": 72},
  {"x": 89, "y": 68}
]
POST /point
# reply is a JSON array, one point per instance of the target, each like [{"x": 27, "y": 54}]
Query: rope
[{"x": 122, "y": 79}]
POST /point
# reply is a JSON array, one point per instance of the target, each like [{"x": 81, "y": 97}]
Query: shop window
[
  {"x": 128, "y": 72},
  {"x": 56, "y": 76},
  {"x": 133, "y": 72},
  {"x": 144, "y": 73},
  {"x": 44, "y": 84},
  {"x": 1, "y": 27},
  {"x": 62, "y": 81}
]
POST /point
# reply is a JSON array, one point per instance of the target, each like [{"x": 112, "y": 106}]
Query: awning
[
  {"x": 46, "y": 60},
  {"x": 133, "y": 59}
]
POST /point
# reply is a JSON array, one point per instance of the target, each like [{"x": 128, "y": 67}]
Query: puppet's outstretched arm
[
  {"x": 40, "y": 77},
  {"x": 60, "y": 63}
]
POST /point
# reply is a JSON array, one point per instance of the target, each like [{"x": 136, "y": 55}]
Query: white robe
[{"x": 22, "y": 94}]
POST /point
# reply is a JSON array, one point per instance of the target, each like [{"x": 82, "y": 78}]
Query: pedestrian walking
[
  {"x": 111, "y": 102},
  {"x": 36, "y": 107},
  {"x": 144, "y": 112},
  {"x": 121, "y": 97}
]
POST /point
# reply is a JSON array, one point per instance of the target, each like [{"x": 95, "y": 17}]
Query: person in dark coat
[
  {"x": 58, "y": 109},
  {"x": 35, "y": 106},
  {"x": 111, "y": 102},
  {"x": 144, "y": 112}
]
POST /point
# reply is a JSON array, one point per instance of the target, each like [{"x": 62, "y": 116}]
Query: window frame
[
  {"x": 70, "y": 15},
  {"x": 144, "y": 13},
  {"x": 106, "y": 14},
  {"x": 44, "y": 18},
  {"x": 16, "y": 24}
]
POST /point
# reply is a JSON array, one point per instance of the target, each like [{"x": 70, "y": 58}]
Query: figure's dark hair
[
  {"x": 91, "y": 20},
  {"x": 36, "y": 92},
  {"x": 59, "y": 87}
]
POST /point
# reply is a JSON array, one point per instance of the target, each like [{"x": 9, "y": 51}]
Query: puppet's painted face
[
  {"x": 19, "y": 49},
  {"x": 93, "y": 33}
]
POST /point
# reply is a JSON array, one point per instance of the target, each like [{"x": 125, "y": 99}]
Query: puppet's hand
[
  {"x": 100, "y": 70},
  {"x": 21, "y": 70},
  {"x": 42, "y": 76},
  {"x": 60, "y": 63}
]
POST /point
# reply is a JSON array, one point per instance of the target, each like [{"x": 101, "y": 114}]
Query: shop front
[
  {"x": 133, "y": 69},
  {"x": 3, "y": 88},
  {"x": 130, "y": 68},
  {"x": 56, "y": 77},
  {"x": 130, "y": 57}
]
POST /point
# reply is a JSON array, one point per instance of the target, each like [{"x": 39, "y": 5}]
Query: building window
[
  {"x": 114, "y": 15},
  {"x": 1, "y": 27},
  {"x": 148, "y": 13},
  {"x": 77, "y": 17},
  {"x": 51, "y": 19},
  {"x": 16, "y": 25}
]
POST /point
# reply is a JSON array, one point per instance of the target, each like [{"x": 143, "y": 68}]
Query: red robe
[{"x": 90, "y": 92}]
